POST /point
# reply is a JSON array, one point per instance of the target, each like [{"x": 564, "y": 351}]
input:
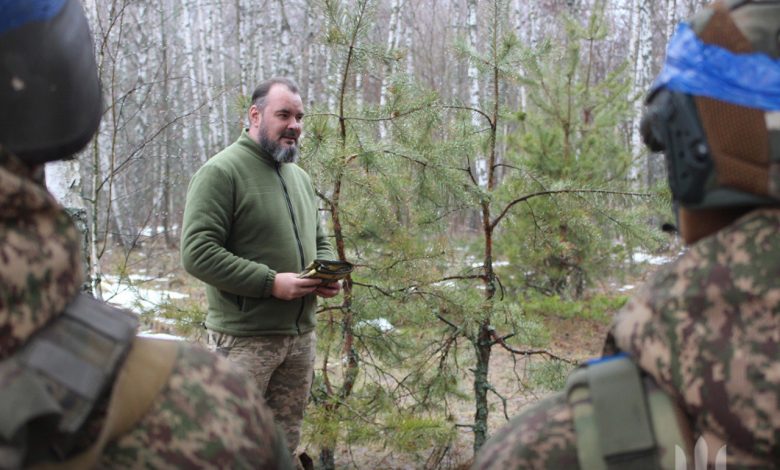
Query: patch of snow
[
  {"x": 139, "y": 300},
  {"x": 495, "y": 264},
  {"x": 381, "y": 324},
  {"x": 641, "y": 257},
  {"x": 135, "y": 278},
  {"x": 150, "y": 231},
  {"x": 165, "y": 336},
  {"x": 134, "y": 298},
  {"x": 444, "y": 284}
]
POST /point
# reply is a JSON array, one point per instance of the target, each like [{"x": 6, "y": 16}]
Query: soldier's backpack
[
  {"x": 622, "y": 420},
  {"x": 86, "y": 363}
]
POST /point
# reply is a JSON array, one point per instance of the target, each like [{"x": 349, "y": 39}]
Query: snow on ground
[
  {"x": 381, "y": 324},
  {"x": 647, "y": 258},
  {"x": 150, "y": 334},
  {"x": 656, "y": 260},
  {"x": 138, "y": 299},
  {"x": 132, "y": 297}
]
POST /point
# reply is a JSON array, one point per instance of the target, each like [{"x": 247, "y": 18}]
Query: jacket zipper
[{"x": 297, "y": 238}]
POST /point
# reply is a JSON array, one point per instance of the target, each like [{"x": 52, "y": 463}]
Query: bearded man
[{"x": 250, "y": 226}]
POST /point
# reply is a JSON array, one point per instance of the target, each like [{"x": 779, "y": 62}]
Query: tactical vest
[
  {"x": 86, "y": 366},
  {"x": 622, "y": 420}
]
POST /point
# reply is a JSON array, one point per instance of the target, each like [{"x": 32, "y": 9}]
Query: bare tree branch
[
  {"x": 561, "y": 191},
  {"x": 528, "y": 352}
]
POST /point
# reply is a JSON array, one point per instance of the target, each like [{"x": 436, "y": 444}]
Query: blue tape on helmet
[
  {"x": 16, "y": 13},
  {"x": 696, "y": 68},
  {"x": 599, "y": 360}
]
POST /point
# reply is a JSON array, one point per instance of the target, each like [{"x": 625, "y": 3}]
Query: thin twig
[
  {"x": 561, "y": 191},
  {"x": 528, "y": 352}
]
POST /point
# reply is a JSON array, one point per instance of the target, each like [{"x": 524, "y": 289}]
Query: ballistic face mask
[
  {"x": 50, "y": 98},
  {"x": 715, "y": 108}
]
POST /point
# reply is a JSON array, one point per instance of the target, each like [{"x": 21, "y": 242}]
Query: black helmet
[
  {"x": 50, "y": 98},
  {"x": 715, "y": 108}
]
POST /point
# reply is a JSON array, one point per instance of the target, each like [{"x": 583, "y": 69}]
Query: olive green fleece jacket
[{"x": 246, "y": 218}]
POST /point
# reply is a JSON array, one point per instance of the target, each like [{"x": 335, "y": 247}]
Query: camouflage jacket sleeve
[
  {"x": 705, "y": 327},
  {"x": 208, "y": 416}
]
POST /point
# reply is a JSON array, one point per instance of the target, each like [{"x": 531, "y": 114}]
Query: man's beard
[{"x": 280, "y": 153}]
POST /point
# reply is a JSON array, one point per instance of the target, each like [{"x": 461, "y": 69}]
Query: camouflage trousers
[{"x": 282, "y": 367}]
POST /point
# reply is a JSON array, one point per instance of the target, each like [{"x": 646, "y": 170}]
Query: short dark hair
[{"x": 260, "y": 93}]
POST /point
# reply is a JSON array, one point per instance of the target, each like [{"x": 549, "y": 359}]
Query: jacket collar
[{"x": 254, "y": 148}]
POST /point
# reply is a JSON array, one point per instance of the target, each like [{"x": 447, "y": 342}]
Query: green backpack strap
[
  {"x": 142, "y": 378},
  {"x": 615, "y": 417}
]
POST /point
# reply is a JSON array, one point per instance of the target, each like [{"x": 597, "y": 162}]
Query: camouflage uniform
[
  {"x": 541, "y": 437},
  {"x": 289, "y": 359},
  {"x": 208, "y": 414},
  {"x": 705, "y": 328}
]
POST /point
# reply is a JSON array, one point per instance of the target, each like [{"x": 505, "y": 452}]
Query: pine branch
[
  {"x": 393, "y": 116},
  {"x": 495, "y": 339},
  {"x": 471, "y": 173},
  {"x": 561, "y": 191},
  {"x": 500, "y": 397},
  {"x": 414, "y": 287},
  {"x": 406, "y": 157},
  {"x": 473, "y": 110},
  {"x": 454, "y": 326}
]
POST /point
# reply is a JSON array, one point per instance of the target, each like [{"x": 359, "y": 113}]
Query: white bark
[
  {"x": 359, "y": 99},
  {"x": 241, "y": 45},
  {"x": 672, "y": 17},
  {"x": 390, "y": 49},
  {"x": 63, "y": 179},
  {"x": 480, "y": 164},
  {"x": 642, "y": 42},
  {"x": 408, "y": 42},
  {"x": 332, "y": 74},
  {"x": 193, "y": 79},
  {"x": 222, "y": 113},
  {"x": 285, "y": 55},
  {"x": 206, "y": 62},
  {"x": 311, "y": 50},
  {"x": 473, "y": 72}
]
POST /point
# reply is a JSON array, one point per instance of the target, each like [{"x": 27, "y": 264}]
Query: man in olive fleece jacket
[{"x": 250, "y": 226}]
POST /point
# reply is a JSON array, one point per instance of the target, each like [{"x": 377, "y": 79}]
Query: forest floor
[{"x": 574, "y": 338}]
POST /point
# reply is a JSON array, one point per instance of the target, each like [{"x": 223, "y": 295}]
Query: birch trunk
[
  {"x": 480, "y": 165},
  {"x": 63, "y": 179},
  {"x": 642, "y": 43},
  {"x": 309, "y": 82},
  {"x": 192, "y": 69},
  {"x": 392, "y": 45},
  {"x": 285, "y": 55}
]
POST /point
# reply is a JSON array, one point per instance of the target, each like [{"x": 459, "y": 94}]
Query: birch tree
[
  {"x": 63, "y": 180},
  {"x": 189, "y": 10},
  {"x": 642, "y": 46}
]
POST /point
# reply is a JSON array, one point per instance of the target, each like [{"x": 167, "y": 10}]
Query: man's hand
[
  {"x": 288, "y": 286},
  {"x": 328, "y": 289}
]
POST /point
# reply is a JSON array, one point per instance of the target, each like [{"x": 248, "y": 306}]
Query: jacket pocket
[{"x": 231, "y": 302}]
